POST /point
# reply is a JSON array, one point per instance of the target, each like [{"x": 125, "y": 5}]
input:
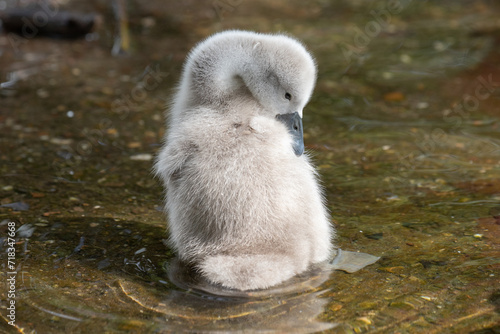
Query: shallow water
[{"x": 403, "y": 126}]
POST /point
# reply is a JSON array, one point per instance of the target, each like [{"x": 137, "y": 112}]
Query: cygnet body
[{"x": 243, "y": 202}]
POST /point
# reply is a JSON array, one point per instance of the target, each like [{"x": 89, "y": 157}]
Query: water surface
[{"x": 403, "y": 126}]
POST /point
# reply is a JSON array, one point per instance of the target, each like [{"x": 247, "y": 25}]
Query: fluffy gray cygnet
[{"x": 243, "y": 202}]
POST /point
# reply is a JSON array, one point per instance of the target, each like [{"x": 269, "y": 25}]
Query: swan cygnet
[{"x": 243, "y": 202}]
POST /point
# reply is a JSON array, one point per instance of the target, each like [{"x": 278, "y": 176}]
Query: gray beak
[{"x": 293, "y": 123}]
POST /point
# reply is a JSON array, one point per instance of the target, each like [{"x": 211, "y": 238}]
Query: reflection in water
[
  {"x": 291, "y": 307},
  {"x": 151, "y": 309},
  {"x": 153, "y": 291}
]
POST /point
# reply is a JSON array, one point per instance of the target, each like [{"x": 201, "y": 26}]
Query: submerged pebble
[
  {"x": 16, "y": 206},
  {"x": 25, "y": 231},
  {"x": 142, "y": 157}
]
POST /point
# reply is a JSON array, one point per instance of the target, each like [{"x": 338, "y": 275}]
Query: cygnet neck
[{"x": 216, "y": 74}]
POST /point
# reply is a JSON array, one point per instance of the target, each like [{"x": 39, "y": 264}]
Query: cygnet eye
[{"x": 288, "y": 96}]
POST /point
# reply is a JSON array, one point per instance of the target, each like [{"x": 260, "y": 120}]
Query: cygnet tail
[{"x": 247, "y": 272}]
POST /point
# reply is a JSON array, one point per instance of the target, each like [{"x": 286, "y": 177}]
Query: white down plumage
[{"x": 243, "y": 203}]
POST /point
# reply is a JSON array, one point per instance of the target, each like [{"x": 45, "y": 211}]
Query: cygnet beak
[{"x": 293, "y": 123}]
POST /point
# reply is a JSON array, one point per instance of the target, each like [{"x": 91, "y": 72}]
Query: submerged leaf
[{"x": 352, "y": 261}]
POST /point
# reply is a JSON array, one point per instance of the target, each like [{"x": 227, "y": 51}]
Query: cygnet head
[
  {"x": 275, "y": 72},
  {"x": 281, "y": 75}
]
